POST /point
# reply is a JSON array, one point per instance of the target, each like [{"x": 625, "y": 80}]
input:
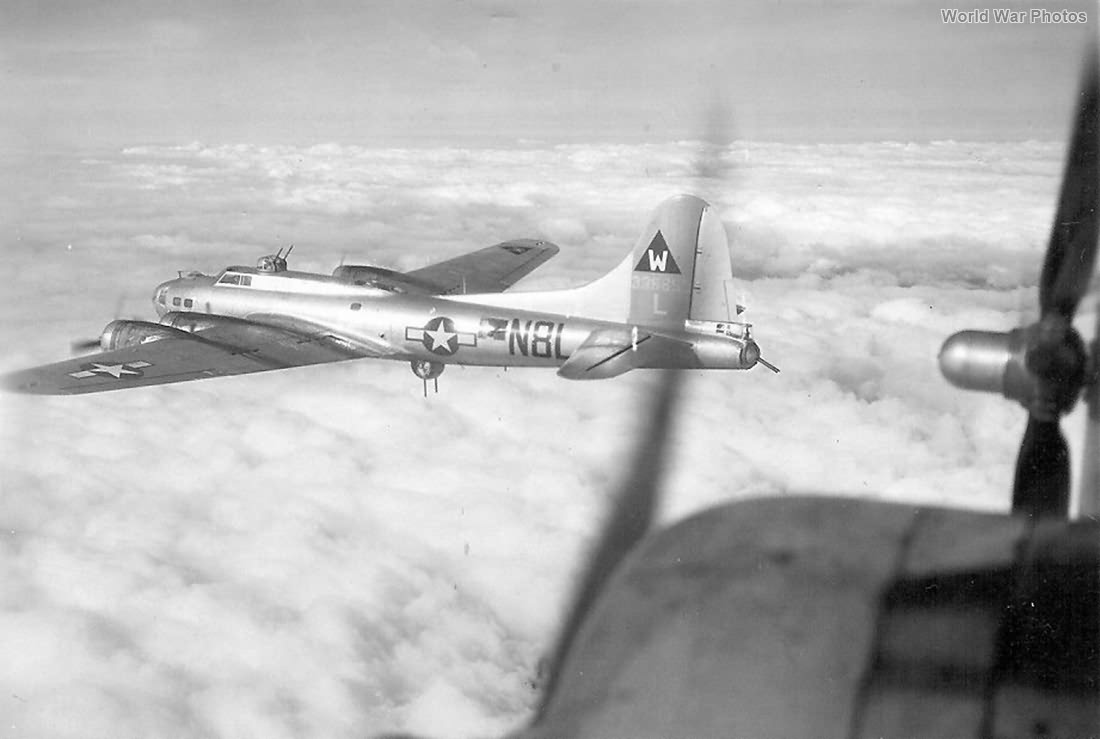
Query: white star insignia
[
  {"x": 440, "y": 337},
  {"x": 114, "y": 370}
]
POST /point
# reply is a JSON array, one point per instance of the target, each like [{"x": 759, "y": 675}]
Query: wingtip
[
  {"x": 21, "y": 383},
  {"x": 15, "y": 383},
  {"x": 29, "y": 382}
]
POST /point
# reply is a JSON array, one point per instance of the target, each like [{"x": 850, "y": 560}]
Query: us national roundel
[
  {"x": 439, "y": 336},
  {"x": 657, "y": 258}
]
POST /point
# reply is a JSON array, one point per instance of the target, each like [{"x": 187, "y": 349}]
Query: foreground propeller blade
[
  {"x": 768, "y": 364},
  {"x": 1042, "y": 471},
  {"x": 708, "y": 169},
  {"x": 84, "y": 345},
  {"x": 628, "y": 522},
  {"x": 634, "y": 503},
  {"x": 1072, "y": 250},
  {"x": 1088, "y": 503},
  {"x": 1055, "y": 356}
]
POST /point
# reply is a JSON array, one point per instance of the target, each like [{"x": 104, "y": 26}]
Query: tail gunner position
[{"x": 664, "y": 306}]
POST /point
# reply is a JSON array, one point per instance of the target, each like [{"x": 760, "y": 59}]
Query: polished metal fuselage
[{"x": 417, "y": 327}]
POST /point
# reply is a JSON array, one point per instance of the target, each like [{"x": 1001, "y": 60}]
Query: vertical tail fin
[
  {"x": 680, "y": 266},
  {"x": 678, "y": 270}
]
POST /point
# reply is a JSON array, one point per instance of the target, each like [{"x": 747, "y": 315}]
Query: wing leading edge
[
  {"x": 232, "y": 347},
  {"x": 493, "y": 269}
]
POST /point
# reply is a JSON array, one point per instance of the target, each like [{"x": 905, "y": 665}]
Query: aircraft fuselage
[{"x": 421, "y": 327}]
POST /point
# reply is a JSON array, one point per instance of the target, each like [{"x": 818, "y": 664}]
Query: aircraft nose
[{"x": 160, "y": 298}]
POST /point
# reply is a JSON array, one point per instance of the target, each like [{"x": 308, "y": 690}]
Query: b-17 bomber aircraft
[{"x": 664, "y": 306}]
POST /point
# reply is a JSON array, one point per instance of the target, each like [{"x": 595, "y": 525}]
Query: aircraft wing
[
  {"x": 231, "y": 347},
  {"x": 493, "y": 269}
]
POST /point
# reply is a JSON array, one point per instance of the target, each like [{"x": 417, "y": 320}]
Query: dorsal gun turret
[{"x": 274, "y": 262}]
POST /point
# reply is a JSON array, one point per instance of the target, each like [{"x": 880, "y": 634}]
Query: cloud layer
[{"x": 321, "y": 551}]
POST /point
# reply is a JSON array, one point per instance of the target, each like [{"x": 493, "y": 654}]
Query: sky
[
  {"x": 78, "y": 74},
  {"x": 322, "y": 551}
]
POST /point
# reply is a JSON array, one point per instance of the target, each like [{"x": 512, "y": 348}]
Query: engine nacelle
[
  {"x": 378, "y": 277},
  {"x": 123, "y": 334},
  {"x": 193, "y": 322},
  {"x": 363, "y": 275}
]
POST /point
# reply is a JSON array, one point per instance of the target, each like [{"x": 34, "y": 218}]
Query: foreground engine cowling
[
  {"x": 122, "y": 334},
  {"x": 997, "y": 362}
]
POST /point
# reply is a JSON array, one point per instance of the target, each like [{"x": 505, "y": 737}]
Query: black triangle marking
[{"x": 658, "y": 258}]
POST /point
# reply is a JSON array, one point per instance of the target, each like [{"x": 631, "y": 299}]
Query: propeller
[
  {"x": 1056, "y": 355},
  {"x": 1046, "y": 365},
  {"x": 634, "y": 503},
  {"x": 80, "y": 346},
  {"x": 628, "y": 521},
  {"x": 83, "y": 345},
  {"x": 1089, "y": 503}
]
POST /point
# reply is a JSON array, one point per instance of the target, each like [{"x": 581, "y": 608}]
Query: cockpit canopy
[{"x": 235, "y": 278}]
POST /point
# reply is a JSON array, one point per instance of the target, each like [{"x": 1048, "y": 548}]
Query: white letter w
[{"x": 657, "y": 262}]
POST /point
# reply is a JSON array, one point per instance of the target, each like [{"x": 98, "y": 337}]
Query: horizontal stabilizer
[{"x": 610, "y": 352}]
